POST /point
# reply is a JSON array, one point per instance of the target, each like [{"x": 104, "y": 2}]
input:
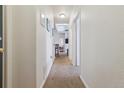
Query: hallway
[
  {"x": 63, "y": 75},
  {"x": 32, "y": 36}
]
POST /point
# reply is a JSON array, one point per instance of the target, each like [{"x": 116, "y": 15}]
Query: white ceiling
[{"x": 66, "y": 9}]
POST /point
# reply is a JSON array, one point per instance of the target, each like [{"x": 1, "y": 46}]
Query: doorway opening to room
[{"x": 61, "y": 40}]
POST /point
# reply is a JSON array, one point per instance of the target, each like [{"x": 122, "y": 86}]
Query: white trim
[
  {"x": 43, "y": 82},
  {"x": 84, "y": 82},
  {"x": 71, "y": 62},
  {"x": 9, "y": 47},
  {"x": 74, "y": 64}
]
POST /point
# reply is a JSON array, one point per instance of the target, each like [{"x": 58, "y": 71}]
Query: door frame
[
  {"x": 4, "y": 67},
  {"x": 78, "y": 16},
  {"x": 7, "y": 46},
  {"x": 3, "y": 58}
]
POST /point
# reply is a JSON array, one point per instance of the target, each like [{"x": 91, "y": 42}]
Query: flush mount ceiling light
[{"x": 62, "y": 15}]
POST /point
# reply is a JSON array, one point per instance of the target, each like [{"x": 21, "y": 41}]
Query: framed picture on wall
[
  {"x": 48, "y": 25},
  {"x": 47, "y": 22},
  {"x": 53, "y": 31}
]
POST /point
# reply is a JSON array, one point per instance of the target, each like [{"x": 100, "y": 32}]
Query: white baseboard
[
  {"x": 46, "y": 77},
  {"x": 85, "y": 84},
  {"x": 43, "y": 83},
  {"x": 71, "y": 62}
]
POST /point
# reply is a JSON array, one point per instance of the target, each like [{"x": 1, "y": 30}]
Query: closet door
[{"x": 1, "y": 54}]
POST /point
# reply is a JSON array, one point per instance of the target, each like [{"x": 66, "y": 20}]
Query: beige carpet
[{"x": 63, "y": 75}]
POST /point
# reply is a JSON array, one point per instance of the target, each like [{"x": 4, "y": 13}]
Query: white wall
[
  {"x": 72, "y": 35},
  {"x": 29, "y": 46},
  {"x": 44, "y": 46},
  {"x": 8, "y": 46},
  {"x": 58, "y": 36},
  {"x": 70, "y": 42},
  {"x": 21, "y": 50},
  {"x": 40, "y": 50},
  {"x": 74, "y": 54},
  {"x": 102, "y": 46},
  {"x": 24, "y": 48}
]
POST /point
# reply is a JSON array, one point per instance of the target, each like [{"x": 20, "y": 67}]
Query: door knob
[{"x": 1, "y": 50}]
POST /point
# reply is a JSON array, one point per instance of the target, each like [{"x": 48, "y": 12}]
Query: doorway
[{"x": 61, "y": 40}]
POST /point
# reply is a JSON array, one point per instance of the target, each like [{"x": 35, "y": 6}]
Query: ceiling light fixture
[{"x": 62, "y": 15}]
